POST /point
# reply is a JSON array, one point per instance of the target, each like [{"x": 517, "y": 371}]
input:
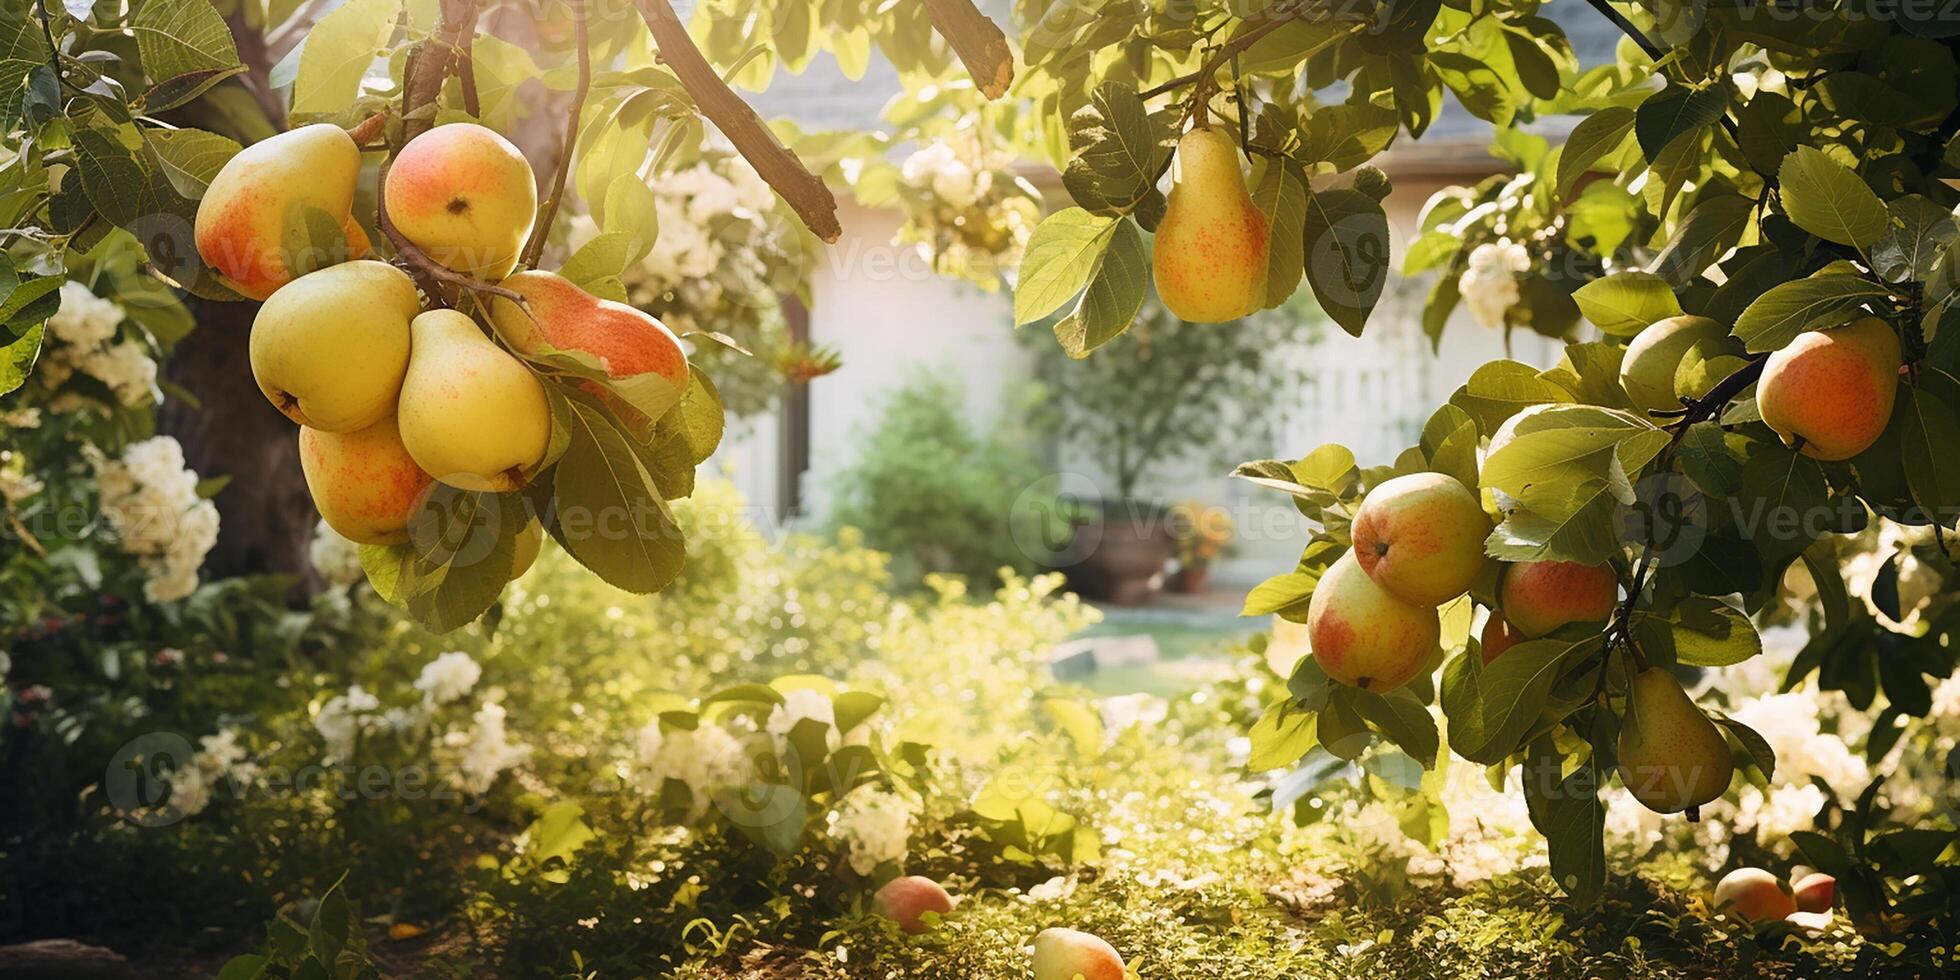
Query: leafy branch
[
  {"x": 548, "y": 214},
  {"x": 1225, "y": 52},
  {"x": 805, "y": 191}
]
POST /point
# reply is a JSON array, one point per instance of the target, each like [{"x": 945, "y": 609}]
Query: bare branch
[
  {"x": 804, "y": 190},
  {"x": 981, "y": 46},
  {"x": 548, "y": 214}
]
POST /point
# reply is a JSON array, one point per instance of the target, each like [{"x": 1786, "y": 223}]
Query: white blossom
[
  {"x": 337, "y": 559},
  {"x": 705, "y": 759},
  {"x": 488, "y": 750},
  {"x": 875, "y": 828},
  {"x": 84, "y": 319},
  {"x": 151, "y": 501},
  {"x": 342, "y": 718},
  {"x": 448, "y": 677},
  {"x": 16, "y": 483},
  {"x": 1489, "y": 284},
  {"x": 84, "y": 331},
  {"x": 220, "y": 757}
]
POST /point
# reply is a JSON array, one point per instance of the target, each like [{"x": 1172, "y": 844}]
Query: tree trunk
[{"x": 266, "y": 517}]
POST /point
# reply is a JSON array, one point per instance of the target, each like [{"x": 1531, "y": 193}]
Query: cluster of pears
[
  {"x": 1373, "y": 621},
  {"x": 1212, "y": 246},
  {"x": 1827, "y": 393},
  {"x": 393, "y": 398}
]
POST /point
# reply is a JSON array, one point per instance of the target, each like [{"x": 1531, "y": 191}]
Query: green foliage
[{"x": 941, "y": 497}]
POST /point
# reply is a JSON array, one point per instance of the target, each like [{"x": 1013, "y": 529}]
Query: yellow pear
[
  {"x": 329, "y": 349},
  {"x": 471, "y": 414},
  {"x": 1829, "y": 393},
  {"x": 1362, "y": 635},
  {"x": 253, "y": 215},
  {"x": 1647, "y": 370},
  {"x": 466, "y": 196},
  {"x": 364, "y": 483},
  {"x": 1212, "y": 244},
  {"x": 1672, "y": 758},
  {"x": 1421, "y": 537}
]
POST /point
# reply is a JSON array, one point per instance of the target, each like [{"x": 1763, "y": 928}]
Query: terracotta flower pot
[{"x": 1123, "y": 554}]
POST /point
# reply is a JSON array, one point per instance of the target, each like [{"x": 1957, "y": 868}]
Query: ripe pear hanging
[
  {"x": 1829, "y": 393},
  {"x": 472, "y": 415},
  {"x": 1672, "y": 758},
  {"x": 1212, "y": 245}
]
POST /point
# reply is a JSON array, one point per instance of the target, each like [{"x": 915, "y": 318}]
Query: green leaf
[
  {"x": 191, "y": 157},
  {"x": 1573, "y": 821},
  {"x": 246, "y": 967},
  {"x": 1676, "y": 111},
  {"x": 1114, "y": 296},
  {"x": 773, "y": 815},
  {"x": 629, "y": 211},
  {"x": 17, "y": 359},
  {"x": 1918, "y": 236},
  {"x": 1500, "y": 389},
  {"x": 1289, "y": 591},
  {"x": 1347, "y": 255},
  {"x": 1281, "y": 194},
  {"x": 463, "y": 546},
  {"x": 1829, "y": 200},
  {"x": 1769, "y": 126},
  {"x": 1625, "y": 303},
  {"x": 1760, "y": 754},
  {"x": 1508, "y": 696},
  {"x": 1402, "y": 718},
  {"x": 1819, "y": 302},
  {"x": 1558, "y": 458},
  {"x": 1928, "y": 438},
  {"x": 1449, "y": 443},
  {"x": 1280, "y": 737},
  {"x": 1118, "y": 148},
  {"x": 1596, "y": 136},
  {"x": 1700, "y": 631},
  {"x": 598, "y": 265},
  {"x": 22, "y": 53},
  {"x": 606, "y": 510},
  {"x": 1348, "y": 135},
  {"x": 1062, "y": 255},
  {"x": 186, "y": 48},
  {"x": 1713, "y": 227},
  {"x": 339, "y": 50},
  {"x": 558, "y": 833}
]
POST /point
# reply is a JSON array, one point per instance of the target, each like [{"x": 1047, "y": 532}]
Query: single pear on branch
[
  {"x": 253, "y": 224},
  {"x": 364, "y": 482},
  {"x": 465, "y": 196},
  {"x": 1538, "y": 597},
  {"x": 642, "y": 359},
  {"x": 1421, "y": 537},
  {"x": 1647, "y": 371},
  {"x": 1829, "y": 393},
  {"x": 1212, "y": 244},
  {"x": 1498, "y": 636},
  {"x": 1672, "y": 758},
  {"x": 330, "y": 348},
  {"x": 1362, "y": 635},
  {"x": 471, "y": 414}
]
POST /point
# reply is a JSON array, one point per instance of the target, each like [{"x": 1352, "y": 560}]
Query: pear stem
[
  {"x": 420, "y": 89},
  {"x": 548, "y": 214}
]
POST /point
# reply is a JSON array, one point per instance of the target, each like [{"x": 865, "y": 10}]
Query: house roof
[{"x": 823, "y": 98}]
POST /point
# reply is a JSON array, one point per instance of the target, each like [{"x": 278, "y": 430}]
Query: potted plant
[
  {"x": 1137, "y": 407},
  {"x": 1201, "y": 532}
]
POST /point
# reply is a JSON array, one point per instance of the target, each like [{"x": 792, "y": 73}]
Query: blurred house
[{"x": 881, "y": 306}]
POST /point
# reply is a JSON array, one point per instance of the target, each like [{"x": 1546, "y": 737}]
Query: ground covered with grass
[{"x": 712, "y": 782}]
